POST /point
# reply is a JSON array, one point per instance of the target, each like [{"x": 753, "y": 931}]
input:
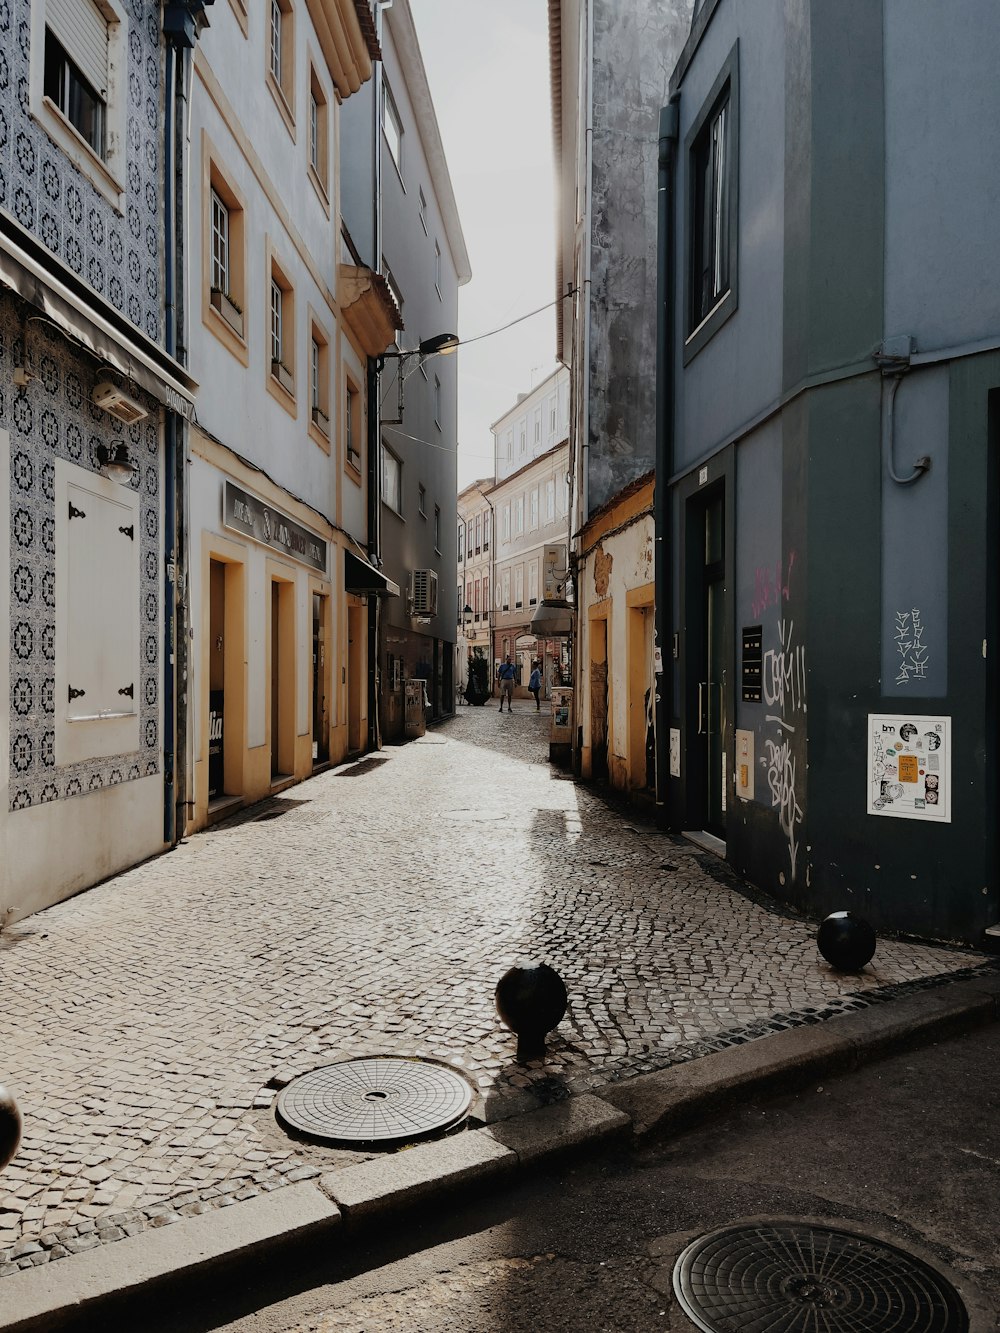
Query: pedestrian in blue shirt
[
  {"x": 535, "y": 684},
  {"x": 506, "y": 678}
]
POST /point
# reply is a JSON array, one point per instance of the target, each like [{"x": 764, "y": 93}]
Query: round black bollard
[
  {"x": 846, "y": 941},
  {"x": 531, "y": 1000},
  {"x": 10, "y": 1127}
]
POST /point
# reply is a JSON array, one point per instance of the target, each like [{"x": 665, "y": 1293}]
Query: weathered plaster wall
[{"x": 635, "y": 49}]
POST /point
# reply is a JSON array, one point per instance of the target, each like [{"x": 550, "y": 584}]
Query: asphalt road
[{"x": 907, "y": 1150}]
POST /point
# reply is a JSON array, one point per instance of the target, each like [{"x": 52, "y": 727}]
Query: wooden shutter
[
  {"x": 102, "y": 607},
  {"x": 83, "y": 30}
]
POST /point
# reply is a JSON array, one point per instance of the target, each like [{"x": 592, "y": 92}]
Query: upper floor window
[
  {"x": 392, "y": 127},
  {"x": 437, "y": 528},
  {"x": 712, "y": 179},
  {"x": 392, "y": 480},
  {"x": 519, "y": 515},
  {"x": 281, "y": 58},
  {"x": 78, "y": 89},
  {"x": 523, "y": 438},
  {"x": 533, "y": 509},
  {"x": 422, "y": 500},
  {"x": 221, "y": 280},
  {"x": 281, "y": 302},
  {"x": 77, "y": 85},
  {"x": 479, "y": 533},
  {"x": 533, "y": 583},
  {"x": 437, "y": 269},
  {"x": 538, "y": 425},
  {"x": 506, "y": 523},
  {"x": 461, "y": 541},
  {"x": 223, "y": 257},
  {"x": 319, "y": 135},
  {"x": 352, "y": 425},
  {"x": 319, "y": 384},
  {"x": 550, "y": 501},
  {"x": 422, "y": 210},
  {"x": 486, "y": 530},
  {"x": 437, "y": 402},
  {"x": 277, "y": 322}
]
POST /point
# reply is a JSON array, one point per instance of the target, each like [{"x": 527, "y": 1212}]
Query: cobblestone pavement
[{"x": 371, "y": 911}]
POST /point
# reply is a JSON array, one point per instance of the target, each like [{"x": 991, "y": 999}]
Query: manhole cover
[
  {"x": 382, "y": 1100},
  {"x": 794, "y": 1277}
]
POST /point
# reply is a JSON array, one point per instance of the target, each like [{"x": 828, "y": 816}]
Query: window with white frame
[
  {"x": 437, "y": 528},
  {"x": 437, "y": 402},
  {"x": 538, "y": 425},
  {"x": 77, "y": 86},
  {"x": 510, "y": 444},
  {"x": 422, "y": 501},
  {"x": 533, "y": 583},
  {"x": 277, "y": 322},
  {"x": 223, "y": 259},
  {"x": 319, "y": 133},
  {"x": 392, "y": 480},
  {"x": 392, "y": 127},
  {"x": 518, "y": 587},
  {"x": 281, "y": 51},
  {"x": 486, "y": 597},
  {"x": 550, "y": 501},
  {"x": 518, "y": 515},
  {"x": 437, "y": 269},
  {"x": 486, "y": 530},
  {"x": 422, "y": 210},
  {"x": 479, "y": 533},
  {"x": 461, "y": 541},
  {"x": 522, "y": 438},
  {"x": 220, "y": 244},
  {"x": 319, "y": 381},
  {"x": 506, "y": 523},
  {"x": 281, "y": 303},
  {"x": 505, "y": 596},
  {"x": 533, "y": 509}
]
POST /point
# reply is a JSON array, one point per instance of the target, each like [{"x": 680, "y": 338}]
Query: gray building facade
[{"x": 830, "y": 391}]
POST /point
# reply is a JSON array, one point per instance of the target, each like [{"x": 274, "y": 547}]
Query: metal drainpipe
[
  {"x": 669, "y": 118},
  {"x": 374, "y": 551},
  {"x": 169, "y": 469}
]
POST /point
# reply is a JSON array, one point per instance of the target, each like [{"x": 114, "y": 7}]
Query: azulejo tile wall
[
  {"x": 53, "y": 417},
  {"x": 119, "y": 257}
]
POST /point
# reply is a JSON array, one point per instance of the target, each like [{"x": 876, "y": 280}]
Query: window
[
  {"x": 223, "y": 257},
  {"x": 77, "y": 85},
  {"x": 461, "y": 541},
  {"x": 533, "y": 509},
  {"x": 506, "y": 590},
  {"x": 475, "y": 600},
  {"x": 552, "y": 417},
  {"x": 281, "y": 326},
  {"x": 550, "y": 501},
  {"x": 437, "y": 269},
  {"x": 281, "y": 58},
  {"x": 523, "y": 438},
  {"x": 712, "y": 167},
  {"x": 519, "y": 515},
  {"x": 392, "y": 480},
  {"x": 392, "y": 128},
  {"x": 422, "y": 501},
  {"x": 319, "y": 384},
  {"x": 486, "y": 531},
  {"x": 422, "y": 210},
  {"x": 506, "y": 523},
  {"x": 437, "y": 528},
  {"x": 519, "y": 587},
  {"x": 486, "y": 598},
  {"x": 353, "y": 425},
  {"x": 538, "y": 425},
  {"x": 66, "y": 85},
  {"x": 533, "y": 583},
  {"x": 469, "y": 542},
  {"x": 479, "y": 533},
  {"x": 319, "y": 137},
  {"x": 437, "y": 402},
  {"x": 510, "y": 444}
]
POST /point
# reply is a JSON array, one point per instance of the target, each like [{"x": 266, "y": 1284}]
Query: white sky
[{"x": 487, "y": 65}]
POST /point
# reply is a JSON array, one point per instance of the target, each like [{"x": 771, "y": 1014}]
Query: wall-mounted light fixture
[{"x": 115, "y": 462}]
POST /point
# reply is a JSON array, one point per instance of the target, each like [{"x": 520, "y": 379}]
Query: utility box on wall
[
  {"x": 415, "y": 708},
  {"x": 561, "y": 725}
]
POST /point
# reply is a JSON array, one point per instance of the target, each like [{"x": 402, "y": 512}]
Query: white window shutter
[
  {"x": 102, "y": 609},
  {"x": 83, "y": 30}
]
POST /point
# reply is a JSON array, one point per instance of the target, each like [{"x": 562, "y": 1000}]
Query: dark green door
[{"x": 712, "y": 676}]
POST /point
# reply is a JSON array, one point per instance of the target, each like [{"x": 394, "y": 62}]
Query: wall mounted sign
[
  {"x": 753, "y": 661},
  {"x": 247, "y": 514},
  {"x": 909, "y": 766}
]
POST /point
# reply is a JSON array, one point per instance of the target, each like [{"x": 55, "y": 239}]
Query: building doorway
[
  {"x": 320, "y": 680},
  {"x": 599, "y": 700},
  {"x": 356, "y": 628},
  {"x": 708, "y": 600},
  {"x": 225, "y": 682},
  {"x": 282, "y": 667},
  {"x": 641, "y": 746}
]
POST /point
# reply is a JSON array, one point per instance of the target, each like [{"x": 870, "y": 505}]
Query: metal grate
[
  {"x": 378, "y": 1101},
  {"x": 797, "y": 1278}
]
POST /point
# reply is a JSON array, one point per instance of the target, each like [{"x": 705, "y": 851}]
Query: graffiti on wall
[
  {"x": 771, "y": 586},
  {"x": 914, "y": 658}
]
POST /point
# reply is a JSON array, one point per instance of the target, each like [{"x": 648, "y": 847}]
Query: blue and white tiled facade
[
  {"x": 119, "y": 256},
  {"x": 52, "y": 418}
]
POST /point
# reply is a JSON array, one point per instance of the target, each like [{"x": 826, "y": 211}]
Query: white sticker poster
[{"x": 909, "y": 766}]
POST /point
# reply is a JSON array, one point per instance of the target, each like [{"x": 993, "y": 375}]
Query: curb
[{"x": 86, "y": 1291}]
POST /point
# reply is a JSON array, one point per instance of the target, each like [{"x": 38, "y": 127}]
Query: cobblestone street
[{"x": 149, "y": 1022}]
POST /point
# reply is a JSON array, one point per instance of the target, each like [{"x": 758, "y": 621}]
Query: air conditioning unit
[
  {"x": 423, "y": 592},
  {"x": 117, "y": 402}
]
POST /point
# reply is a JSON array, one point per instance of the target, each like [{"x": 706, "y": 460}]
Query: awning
[
  {"x": 82, "y": 320},
  {"x": 552, "y": 620},
  {"x": 360, "y": 576}
]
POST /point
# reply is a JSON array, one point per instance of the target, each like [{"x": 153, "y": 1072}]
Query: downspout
[
  {"x": 170, "y": 434},
  {"x": 669, "y": 118}
]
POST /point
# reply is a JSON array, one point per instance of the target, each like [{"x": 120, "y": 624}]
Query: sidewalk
[{"x": 371, "y": 911}]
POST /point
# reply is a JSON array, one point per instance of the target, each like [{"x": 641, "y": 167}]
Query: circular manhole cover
[
  {"x": 381, "y": 1100},
  {"x": 796, "y": 1277}
]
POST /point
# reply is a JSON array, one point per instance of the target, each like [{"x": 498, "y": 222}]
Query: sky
[{"x": 487, "y": 65}]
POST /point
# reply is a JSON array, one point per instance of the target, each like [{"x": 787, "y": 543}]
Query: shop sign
[
  {"x": 216, "y": 765},
  {"x": 247, "y": 514}
]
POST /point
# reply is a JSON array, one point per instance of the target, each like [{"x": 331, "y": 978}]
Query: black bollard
[
  {"x": 10, "y": 1127},
  {"x": 846, "y": 941},
  {"x": 531, "y": 1000}
]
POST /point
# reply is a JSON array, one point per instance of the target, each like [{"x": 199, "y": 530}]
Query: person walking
[
  {"x": 506, "y": 678},
  {"x": 535, "y": 684}
]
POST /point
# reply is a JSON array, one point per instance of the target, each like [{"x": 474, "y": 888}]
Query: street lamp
[
  {"x": 441, "y": 344},
  {"x": 115, "y": 462}
]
